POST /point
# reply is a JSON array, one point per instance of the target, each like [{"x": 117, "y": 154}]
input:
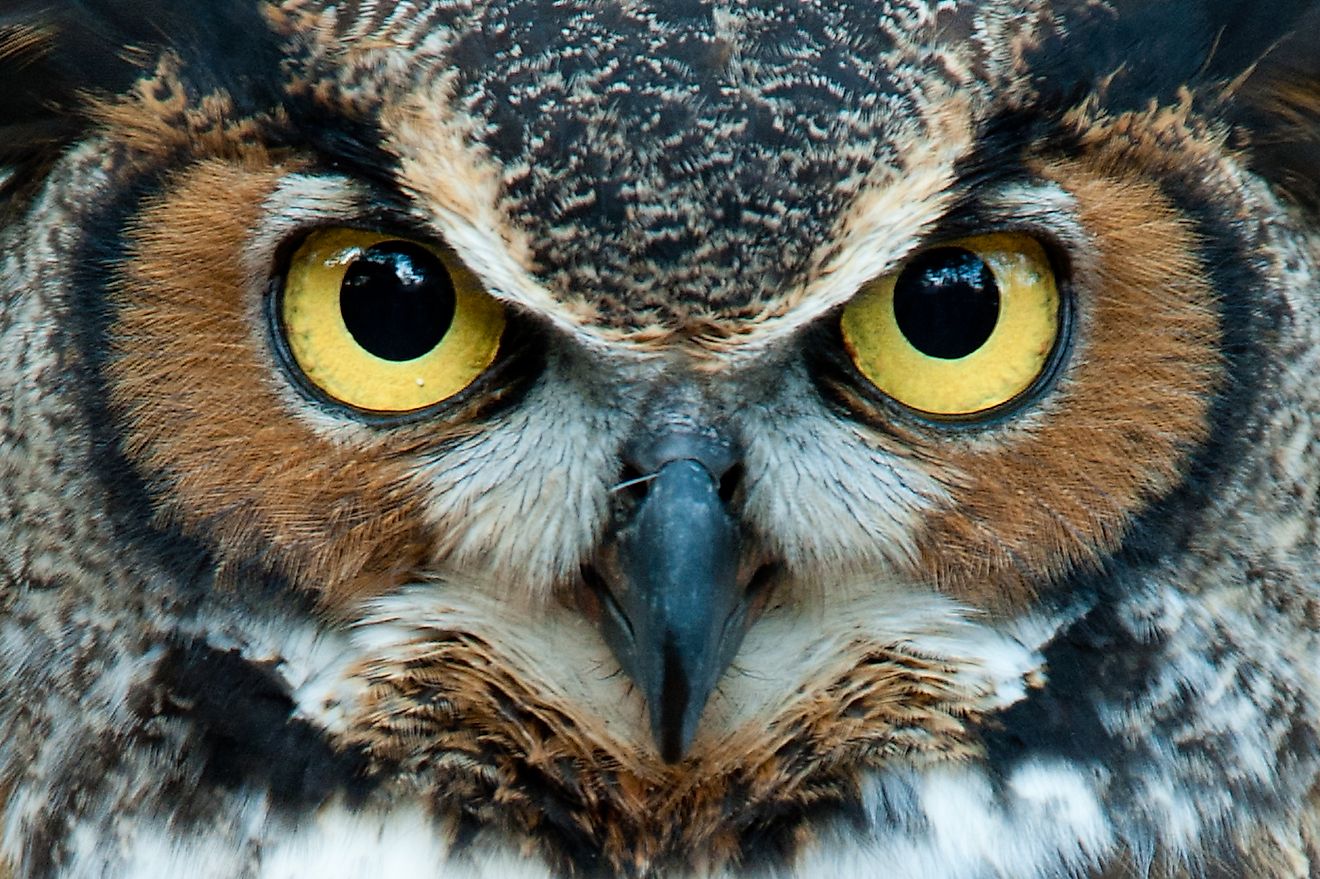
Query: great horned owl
[{"x": 587, "y": 438}]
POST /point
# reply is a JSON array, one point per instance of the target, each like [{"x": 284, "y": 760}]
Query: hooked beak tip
[{"x": 670, "y": 594}]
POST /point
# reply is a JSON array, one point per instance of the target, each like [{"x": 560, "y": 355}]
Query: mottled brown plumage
[{"x": 248, "y": 628}]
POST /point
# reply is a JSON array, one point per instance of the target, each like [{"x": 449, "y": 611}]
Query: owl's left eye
[
  {"x": 386, "y": 324},
  {"x": 962, "y": 329}
]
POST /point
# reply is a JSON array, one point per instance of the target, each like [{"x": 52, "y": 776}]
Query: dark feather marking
[
  {"x": 245, "y": 730},
  {"x": 1151, "y": 50},
  {"x": 1278, "y": 111},
  {"x": 51, "y": 55}
]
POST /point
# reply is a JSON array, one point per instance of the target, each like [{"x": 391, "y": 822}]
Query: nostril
[
  {"x": 637, "y": 484},
  {"x": 730, "y": 482},
  {"x": 634, "y": 482}
]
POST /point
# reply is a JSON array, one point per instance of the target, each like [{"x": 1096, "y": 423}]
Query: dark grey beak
[{"x": 675, "y": 613}]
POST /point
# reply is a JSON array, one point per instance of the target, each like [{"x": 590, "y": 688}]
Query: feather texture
[{"x": 251, "y": 627}]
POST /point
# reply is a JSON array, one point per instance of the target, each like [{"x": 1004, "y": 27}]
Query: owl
[{"x": 660, "y": 439}]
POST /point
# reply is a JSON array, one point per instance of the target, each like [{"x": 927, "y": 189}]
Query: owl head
[{"x": 526, "y": 438}]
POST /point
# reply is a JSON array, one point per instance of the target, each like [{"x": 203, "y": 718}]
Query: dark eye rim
[
  {"x": 519, "y": 359},
  {"x": 839, "y": 381}
]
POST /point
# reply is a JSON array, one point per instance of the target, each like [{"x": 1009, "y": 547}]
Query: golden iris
[
  {"x": 961, "y": 329},
  {"x": 386, "y": 324}
]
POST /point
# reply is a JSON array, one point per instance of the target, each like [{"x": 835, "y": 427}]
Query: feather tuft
[{"x": 53, "y": 57}]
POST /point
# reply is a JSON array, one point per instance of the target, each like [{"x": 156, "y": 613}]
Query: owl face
[{"x": 662, "y": 438}]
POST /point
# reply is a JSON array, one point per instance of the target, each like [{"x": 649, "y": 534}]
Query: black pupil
[
  {"x": 397, "y": 300},
  {"x": 947, "y": 303}
]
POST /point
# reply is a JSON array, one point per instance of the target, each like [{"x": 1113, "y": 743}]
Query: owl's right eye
[{"x": 384, "y": 324}]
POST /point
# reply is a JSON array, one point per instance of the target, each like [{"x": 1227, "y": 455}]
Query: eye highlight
[
  {"x": 385, "y": 324},
  {"x": 961, "y": 329}
]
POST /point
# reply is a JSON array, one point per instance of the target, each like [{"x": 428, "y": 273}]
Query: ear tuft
[
  {"x": 34, "y": 104},
  {"x": 1277, "y": 114},
  {"x": 53, "y": 54},
  {"x": 1137, "y": 51}
]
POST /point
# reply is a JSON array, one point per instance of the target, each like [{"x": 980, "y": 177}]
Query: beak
[{"x": 674, "y": 612}]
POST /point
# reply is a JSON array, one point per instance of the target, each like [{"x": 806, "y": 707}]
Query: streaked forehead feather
[{"x": 682, "y": 157}]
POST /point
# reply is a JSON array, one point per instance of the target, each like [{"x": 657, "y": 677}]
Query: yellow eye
[
  {"x": 385, "y": 324},
  {"x": 961, "y": 329}
]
